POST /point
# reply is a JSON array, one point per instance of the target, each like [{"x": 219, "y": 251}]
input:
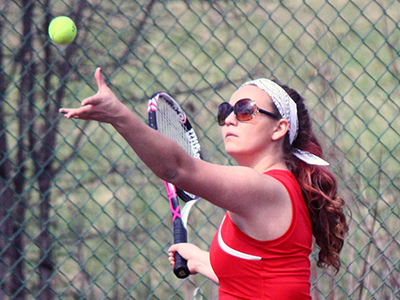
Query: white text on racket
[{"x": 194, "y": 143}]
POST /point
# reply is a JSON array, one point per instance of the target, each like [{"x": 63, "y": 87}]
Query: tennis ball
[{"x": 62, "y": 30}]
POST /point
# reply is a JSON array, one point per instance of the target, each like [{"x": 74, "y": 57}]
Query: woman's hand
[
  {"x": 103, "y": 106},
  {"x": 198, "y": 260},
  {"x": 188, "y": 252}
]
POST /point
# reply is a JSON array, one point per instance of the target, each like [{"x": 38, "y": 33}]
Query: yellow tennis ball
[{"x": 62, "y": 30}]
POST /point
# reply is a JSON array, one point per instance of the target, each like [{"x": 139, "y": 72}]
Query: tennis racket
[{"x": 166, "y": 116}]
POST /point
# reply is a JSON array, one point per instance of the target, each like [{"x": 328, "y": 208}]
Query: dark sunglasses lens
[
  {"x": 244, "y": 110},
  {"x": 224, "y": 110}
]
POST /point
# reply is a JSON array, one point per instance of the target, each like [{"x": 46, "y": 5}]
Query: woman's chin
[{"x": 233, "y": 152}]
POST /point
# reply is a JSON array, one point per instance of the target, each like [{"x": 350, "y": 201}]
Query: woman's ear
[{"x": 282, "y": 127}]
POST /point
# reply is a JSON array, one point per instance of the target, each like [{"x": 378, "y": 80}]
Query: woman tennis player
[{"x": 279, "y": 196}]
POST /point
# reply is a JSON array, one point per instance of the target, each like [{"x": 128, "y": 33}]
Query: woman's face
[{"x": 244, "y": 139}]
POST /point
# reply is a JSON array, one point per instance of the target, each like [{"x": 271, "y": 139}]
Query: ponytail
[{"x": 319, "y": 189}]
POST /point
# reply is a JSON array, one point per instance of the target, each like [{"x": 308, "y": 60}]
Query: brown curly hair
[{"x": 319, "y": 190}]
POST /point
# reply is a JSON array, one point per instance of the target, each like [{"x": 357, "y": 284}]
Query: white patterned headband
[{"x": 288, "y": 110}]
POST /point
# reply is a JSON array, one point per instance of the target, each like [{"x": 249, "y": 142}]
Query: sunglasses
[{"x": 244, "y": 109}]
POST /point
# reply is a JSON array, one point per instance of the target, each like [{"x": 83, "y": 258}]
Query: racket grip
[{"x": 181, "y": 269}]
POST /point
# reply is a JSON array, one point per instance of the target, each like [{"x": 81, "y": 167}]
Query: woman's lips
[{"x": 230, "y": 134}]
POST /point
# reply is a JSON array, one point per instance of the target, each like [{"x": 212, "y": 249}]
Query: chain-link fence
[{"x": 83, "y": 218}]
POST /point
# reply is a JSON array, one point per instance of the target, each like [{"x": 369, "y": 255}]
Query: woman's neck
[{"x": 265, "y": 162}]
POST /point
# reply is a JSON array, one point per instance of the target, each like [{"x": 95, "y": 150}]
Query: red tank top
[{"x": 277, "y": 269}]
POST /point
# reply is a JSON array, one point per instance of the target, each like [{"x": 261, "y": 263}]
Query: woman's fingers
[
  {"x": 93, "y": 100},
  {"x": 76, "y": 113},
  {"x": 99, "y": 79},
  {"x": 172, "y": 259}
]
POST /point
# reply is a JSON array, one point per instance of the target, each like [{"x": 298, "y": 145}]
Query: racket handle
[{"x": 181, "y": 269}]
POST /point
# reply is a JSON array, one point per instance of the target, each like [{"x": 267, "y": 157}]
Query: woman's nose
[{"x": 231, "y": 119}]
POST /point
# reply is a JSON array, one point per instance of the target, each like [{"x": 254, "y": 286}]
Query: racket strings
[{"x": 169, "y": 125}]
